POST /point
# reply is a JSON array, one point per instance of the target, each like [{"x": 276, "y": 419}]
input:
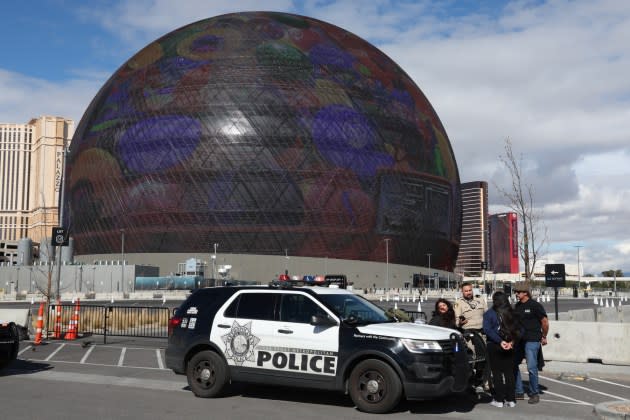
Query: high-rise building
[
  {"x": 473, "y": 248},
  {"x": 31, "y": 165},
  {"x": 504, "y": 243}
]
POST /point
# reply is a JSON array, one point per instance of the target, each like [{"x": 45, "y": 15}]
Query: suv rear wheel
[
  {"x": 374, "y": 386},
  {"x": 207, "y": 374},
  {"x": 9, "y": 350}
]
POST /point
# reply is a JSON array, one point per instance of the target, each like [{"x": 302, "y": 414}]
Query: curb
[{"x": 613, "y": 410}]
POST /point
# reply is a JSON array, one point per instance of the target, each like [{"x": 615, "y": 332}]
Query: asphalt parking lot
[{"x": 124, "y": 375}]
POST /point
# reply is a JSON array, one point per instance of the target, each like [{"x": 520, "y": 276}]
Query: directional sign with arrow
[{"x": 555, "y": 275}]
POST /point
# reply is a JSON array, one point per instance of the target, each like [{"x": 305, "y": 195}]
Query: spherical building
[{"x": 268, "y": 133}]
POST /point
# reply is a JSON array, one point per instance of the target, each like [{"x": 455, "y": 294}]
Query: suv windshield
[{"x": 354, "y": 309}]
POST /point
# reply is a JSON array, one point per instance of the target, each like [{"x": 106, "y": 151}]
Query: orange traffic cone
[
  {"x": 74, "y": 323},
  {"x": 57, "y": 332},
  {"x": 39, "y": 325}
]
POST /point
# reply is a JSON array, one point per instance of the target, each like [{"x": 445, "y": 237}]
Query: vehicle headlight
[{"x": 421, "y": 346}]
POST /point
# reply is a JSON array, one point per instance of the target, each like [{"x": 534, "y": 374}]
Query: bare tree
[
  {"x": 520, "y": 198},
  {"x": 47, "y": 291}
]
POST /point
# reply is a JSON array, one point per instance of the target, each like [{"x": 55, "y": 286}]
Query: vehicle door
[
  {"x": 309, "y": 348},
  {"x": 271, "y": 331},
  {"x": 244, "y": 323}
]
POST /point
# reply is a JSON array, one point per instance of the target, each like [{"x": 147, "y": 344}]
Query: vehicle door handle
[
  {"x": 223, "y": 326},
  {"x": 281, "y": 331}
]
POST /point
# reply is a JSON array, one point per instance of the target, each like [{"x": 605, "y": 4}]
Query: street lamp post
[
  {"x": 429, "y": 255},
  {"x": 387, "y": 263},
  {"x": 17, "y": 281},
  {"x": 286, "y": 262},
  {"x": 578, "y": 266},
  {"x": 122, "y": 257},
  {"x": 60, "y": 216},
  {"x": 214, "y": 262}
]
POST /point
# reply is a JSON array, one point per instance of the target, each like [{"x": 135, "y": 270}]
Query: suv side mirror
[{"x": 322, "y": 321}]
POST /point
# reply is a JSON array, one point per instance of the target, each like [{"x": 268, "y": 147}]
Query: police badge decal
[{"x": 240, "y": 343}]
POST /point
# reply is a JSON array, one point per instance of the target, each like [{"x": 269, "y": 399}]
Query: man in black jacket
[{"x": 535, "y": 325}]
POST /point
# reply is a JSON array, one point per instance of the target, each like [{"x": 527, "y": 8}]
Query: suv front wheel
[
  {"x": 207, "y": 374},
  {"x": 374, "y": 386}
]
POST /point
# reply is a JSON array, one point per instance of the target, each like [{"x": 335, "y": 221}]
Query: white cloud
[
  {"x": 139, "y": 22},
  {"x": 623, "y": 247},
  {"x": 24, "y": 98}
]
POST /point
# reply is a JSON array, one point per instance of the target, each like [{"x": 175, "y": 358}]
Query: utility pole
[
  {"x": 429, "y": 255},
  {"x": 214, "y": 263},
  {"x": 578, "y": 267},
  {"x": 387, "y": 263},
  {"x": 60, "y": 222},
  {"x": 122, "y": 257}
]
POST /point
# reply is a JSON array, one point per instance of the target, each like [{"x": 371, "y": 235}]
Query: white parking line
[
  {"x": 568, "y": 398},
  {"x": 97, "y": 364},
  {"x": 86, "y": 355},
  {"x": 122, "y": 356},
  {"x": 584, "y": 388},
  {"x": 608, "y": 382},
  {"x": 54, "y": 352},
  {"x": 24, "y": 349},
  {"x": 159, "y": 359}
]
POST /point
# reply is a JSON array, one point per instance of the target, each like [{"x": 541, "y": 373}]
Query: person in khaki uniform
[{"x": 469, "y": 309}]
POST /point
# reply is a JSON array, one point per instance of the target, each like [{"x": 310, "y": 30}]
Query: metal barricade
[
  {"x": 122, "y": 321},
  {"x": 414, "y": 316}
]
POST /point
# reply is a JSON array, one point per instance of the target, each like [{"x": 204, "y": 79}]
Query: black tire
[
  {"x": 12, "y": 351},
  {"x": 207, "y": 374},
  {"x": 374, "y": 387}
]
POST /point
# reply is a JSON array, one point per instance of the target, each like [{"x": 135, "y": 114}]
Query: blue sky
[{"x": 550, "y": 75}]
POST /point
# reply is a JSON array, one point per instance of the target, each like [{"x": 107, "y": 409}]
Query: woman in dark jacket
[
  {"x": 501, "y": 329},
  {"x": 443, "y": 315}
]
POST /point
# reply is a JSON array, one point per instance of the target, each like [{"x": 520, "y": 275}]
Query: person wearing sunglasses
[{"x": 535, "y": 325}]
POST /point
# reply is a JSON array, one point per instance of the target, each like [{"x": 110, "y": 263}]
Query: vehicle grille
[{"x": 447, "y": 346}]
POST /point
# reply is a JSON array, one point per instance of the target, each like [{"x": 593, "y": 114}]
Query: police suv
[{"x": 312, "y": 337}]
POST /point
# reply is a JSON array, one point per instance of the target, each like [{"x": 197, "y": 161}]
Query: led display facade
[
  {"x": 504, "y": 243},
  {"x": 269, "y": 133}
]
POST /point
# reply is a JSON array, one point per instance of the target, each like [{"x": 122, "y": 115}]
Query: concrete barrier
[
  {"x": 570, "y": 341},
  {"x": 598, "y": 314},
  {"x": 583, "y": 315},
  {"x": 608, "y": 314}
]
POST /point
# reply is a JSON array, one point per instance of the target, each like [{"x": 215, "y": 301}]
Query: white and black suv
[{"x": 312, "y": 337}]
